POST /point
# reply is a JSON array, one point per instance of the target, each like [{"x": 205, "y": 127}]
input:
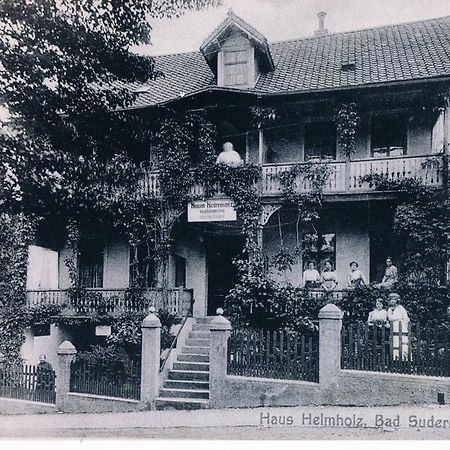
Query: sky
[{"x": 288, "y": 19}]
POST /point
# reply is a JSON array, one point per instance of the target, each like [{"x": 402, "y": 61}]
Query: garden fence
[
  {"x": 414, "y": 350},
  {"x": 27, "y": 382},
  {"x": 273, "y": 354},
  {"x": 110, "y": 380}
]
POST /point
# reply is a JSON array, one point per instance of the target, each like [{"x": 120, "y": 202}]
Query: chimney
[{"x": 322, "y": 31}]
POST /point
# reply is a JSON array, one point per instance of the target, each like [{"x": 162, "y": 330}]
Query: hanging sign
[
  {"x": 103, "y": 330},
  {"x": 218, "y": 210}
]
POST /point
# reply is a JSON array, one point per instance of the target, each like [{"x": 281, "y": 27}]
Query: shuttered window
[{"x": 235, "y": 67}]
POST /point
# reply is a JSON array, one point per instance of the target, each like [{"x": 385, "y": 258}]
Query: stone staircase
[{"x": 187, "y": 385}]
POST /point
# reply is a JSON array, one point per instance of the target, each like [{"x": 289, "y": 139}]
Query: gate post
[
  {"x": 330, "y": 324},
  {"x": 66, "y": 353},
  {"x": 150, "y": 359},
  {"x": 218, "y": 352}
]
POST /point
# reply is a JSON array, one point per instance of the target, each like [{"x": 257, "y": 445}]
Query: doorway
[{"x": 222, "y": 273}]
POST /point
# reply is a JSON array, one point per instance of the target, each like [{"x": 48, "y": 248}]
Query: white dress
[{"x": 399, "y": 317}]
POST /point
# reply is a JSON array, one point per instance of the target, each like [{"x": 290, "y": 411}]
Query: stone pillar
[
  {"x": 66, "y": 353},
  {"x": 220, "y": 331},
  {"x": 330, "y": 324},
  {"x": 151, "y": 350}
]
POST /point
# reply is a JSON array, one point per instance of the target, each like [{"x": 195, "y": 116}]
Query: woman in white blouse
[
  {"x": 379, "y": 315},
  {"x": 311, "y": 277},
  {"x": 399, "y": 320}
]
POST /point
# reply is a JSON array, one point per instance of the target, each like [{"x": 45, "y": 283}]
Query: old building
[{"x": 393, "y": 73}]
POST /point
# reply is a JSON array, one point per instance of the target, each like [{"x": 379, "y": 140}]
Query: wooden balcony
[
  {"x": 112, "y": 301},
  {"x": 344, "y": 178}
]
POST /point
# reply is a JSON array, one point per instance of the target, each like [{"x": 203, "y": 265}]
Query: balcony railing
[
  {"x": 344, "y": 178},
  {"x": 112, "y": 301}
]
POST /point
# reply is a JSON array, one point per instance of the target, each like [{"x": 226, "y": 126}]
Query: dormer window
[
  {"x": 237, "y": 53},
  {"x": 236, "y": 67}
]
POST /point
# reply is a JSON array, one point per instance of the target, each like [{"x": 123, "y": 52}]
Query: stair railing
[{"x": 189, "y": 313}]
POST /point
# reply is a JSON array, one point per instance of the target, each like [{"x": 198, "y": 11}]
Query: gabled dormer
[{"x": 237, "y": 53}]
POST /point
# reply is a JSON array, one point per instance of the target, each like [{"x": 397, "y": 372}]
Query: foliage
[
  {"x": 43, "y": 314},
  {"x": 425, "y": 303},
  {"x": 16, "y": 233},
  {"x": 421, "y": 228},
  {"x": 238, "y": 183},
  {"x": 347, "y": 121},
  {"x": 100, "y": 354},
  {"x": 64, "y": 68},
  {"x": 259, "y": 301}
]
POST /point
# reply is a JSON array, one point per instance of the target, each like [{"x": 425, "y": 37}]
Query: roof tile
[{"x": 391, "y": 53}]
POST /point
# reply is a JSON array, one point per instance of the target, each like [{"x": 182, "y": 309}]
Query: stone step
[
  {"x": 184, "y": 393},
  {"x": 197, "y": 342},
  {"x": 192, "y": 357},
  {"x": 199, "y": 335},
  {"x": 180, "y": 403},
  {"x": 195, "y": 350},
  {"x": 201, "y": 327},
  {"x": 176, "y": 374},
  {"x": 186, "y": 384},
  {"x": 186, "y": 365}
]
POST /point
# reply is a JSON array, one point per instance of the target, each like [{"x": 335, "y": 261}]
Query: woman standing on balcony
[
  {"x": 329, "y": 278},
  {"x": 311, "y": 277},
  {"x": 355, "y": 277}
]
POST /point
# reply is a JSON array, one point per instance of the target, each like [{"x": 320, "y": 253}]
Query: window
[
  {"x": 318, "y": 248},
  {"x": 320, "y": 140},
  {"x": 388, "y": 135},
  {"x": 235, "y": 67},
  {"x": 91, "y": 263},
  {"x": 283, "y": 144},
  {"x": 180, "y": 271},
  {"x": 142, "y": 267},
  {"x": 39, "y": 330}
]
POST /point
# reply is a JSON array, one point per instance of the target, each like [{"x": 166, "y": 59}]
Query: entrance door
[{"x": 222, "y": 273}]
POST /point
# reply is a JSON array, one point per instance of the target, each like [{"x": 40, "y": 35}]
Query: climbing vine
[
  {"x": 16, "y": 234},
  {"x": 347, "y": 120},
  {"x": 421, "y": 228}
]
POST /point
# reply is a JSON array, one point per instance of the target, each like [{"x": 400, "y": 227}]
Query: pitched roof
[{"x": 394, "y": 53}]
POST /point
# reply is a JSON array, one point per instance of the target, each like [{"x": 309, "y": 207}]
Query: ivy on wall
[{"x": 16, "y": 233}]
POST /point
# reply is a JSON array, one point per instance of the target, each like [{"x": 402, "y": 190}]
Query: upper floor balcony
[{"x": 344, "y": 178}]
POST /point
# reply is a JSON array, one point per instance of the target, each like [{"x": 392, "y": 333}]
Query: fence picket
[
  {"x": 407, "y": 350},
  {"x": 107, "y": 380},
  {"x": 276, "y": 354}
]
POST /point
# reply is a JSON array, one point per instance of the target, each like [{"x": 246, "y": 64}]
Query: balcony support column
[
  {"x": 166, "y": 220},
  {"x": 260, "y": 146},
  {"x": 347, "y": 175}
]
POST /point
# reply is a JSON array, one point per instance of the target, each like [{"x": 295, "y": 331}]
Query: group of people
[{"x": 328, "y": 280}]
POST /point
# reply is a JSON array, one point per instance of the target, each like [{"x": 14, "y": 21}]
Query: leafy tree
[{"x": 65, "y": 66}]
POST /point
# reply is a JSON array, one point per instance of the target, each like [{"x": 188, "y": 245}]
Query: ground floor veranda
[
  {"x": 201, "y": 271},
  {"x": 202, "y": 254}
]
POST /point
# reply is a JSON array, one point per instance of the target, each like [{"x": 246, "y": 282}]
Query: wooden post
[
  {"x": 218, "y": 351},
  {"x": 151, "y": 350},
  {"x": 66, "y": 353},
  {"x": 260, "y": 146}
]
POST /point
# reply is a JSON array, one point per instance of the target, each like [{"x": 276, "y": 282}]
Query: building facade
[{"x": 399, "y": 77}]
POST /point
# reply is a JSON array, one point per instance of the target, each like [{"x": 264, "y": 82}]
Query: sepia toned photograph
[{"x": 224, "y": 219}]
